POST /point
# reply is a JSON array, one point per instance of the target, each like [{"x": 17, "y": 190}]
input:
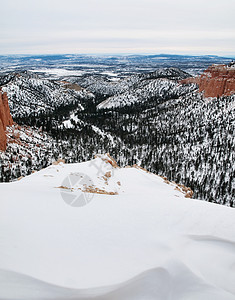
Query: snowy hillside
[
  {"x": 105, "y": 86},
  {"x": 147, "y": 90},
  {"x": 96, "y": 231},
  {"x": 30, "y": 148},
  {"x": 28, "y": 94}
]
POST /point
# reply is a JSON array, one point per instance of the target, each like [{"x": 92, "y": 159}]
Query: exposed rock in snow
[
  {"x": 216, "y": 81},
  {"x": 5, "y": 119}
]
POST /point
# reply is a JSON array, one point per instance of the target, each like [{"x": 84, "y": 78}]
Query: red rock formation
[
  {"x": 216, "y": 81},
  {"x": 3, "y": 138},
  {"x": 5, "y": 119}
]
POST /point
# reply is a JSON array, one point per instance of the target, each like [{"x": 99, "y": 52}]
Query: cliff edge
[
  {"x": 5, "y": 119},
  {"x": 216, "y": 81}
]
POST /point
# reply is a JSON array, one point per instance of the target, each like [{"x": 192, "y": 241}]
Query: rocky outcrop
[
  {"x": 216, "y": 81},
  {"x": 5, "y": 119},
  {"x": 3, "y": 138}
]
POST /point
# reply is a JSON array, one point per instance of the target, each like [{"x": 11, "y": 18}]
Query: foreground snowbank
[{"x": 134, "y": 237}]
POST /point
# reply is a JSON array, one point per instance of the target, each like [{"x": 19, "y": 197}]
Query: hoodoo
[
  {"x": 5, "y": 119},
  {"x": 216, "y": 81}
]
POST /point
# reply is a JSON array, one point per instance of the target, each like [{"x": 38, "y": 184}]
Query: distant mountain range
[{"x": 122, "y": 64}]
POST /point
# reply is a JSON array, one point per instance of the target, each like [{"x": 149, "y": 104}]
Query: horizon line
[{"x": 120, "y": 54}]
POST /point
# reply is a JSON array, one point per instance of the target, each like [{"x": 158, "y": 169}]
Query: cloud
[{"x": 128, "y": 25}]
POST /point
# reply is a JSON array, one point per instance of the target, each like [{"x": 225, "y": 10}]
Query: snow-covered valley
[
  {"x": 136, "y": 236},
  {"x": 151, "y": 119}
]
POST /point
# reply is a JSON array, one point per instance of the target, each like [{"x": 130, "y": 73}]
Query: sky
[{"x": 117, "y": 27}]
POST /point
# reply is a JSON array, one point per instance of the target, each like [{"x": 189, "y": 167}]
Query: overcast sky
[{"x": 123, "y": 26}]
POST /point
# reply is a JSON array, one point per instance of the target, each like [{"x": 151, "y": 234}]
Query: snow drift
[{"x": 141, "y": 240}]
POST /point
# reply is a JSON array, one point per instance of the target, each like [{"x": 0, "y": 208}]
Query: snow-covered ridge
[
  {"x": 146, "y": 90},
  {"x": 145, "y": 241},
  {"x": 161, "y": 84},
  {"x": 29, "y": 94},
  {"x": 103, "y": 85}
]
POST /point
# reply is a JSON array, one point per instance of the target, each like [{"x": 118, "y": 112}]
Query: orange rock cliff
[
  {"x": 5, "y": 119},
  {"x": 216, "y": 81}
]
